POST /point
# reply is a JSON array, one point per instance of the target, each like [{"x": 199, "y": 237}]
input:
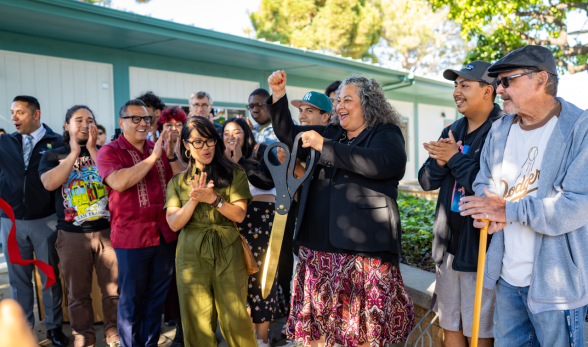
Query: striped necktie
[{"x": 28, "y": 149}]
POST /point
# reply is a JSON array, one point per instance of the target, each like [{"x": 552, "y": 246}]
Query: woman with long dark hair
[
  {"x": 204, "y": 202},
  {"x": 257, "y": 226}
]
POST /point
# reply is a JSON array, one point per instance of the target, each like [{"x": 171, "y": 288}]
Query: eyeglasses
[
  {"x": 197, "y": 106},
  {"x": 260, "y": 105},
  {"x": 504, "y": 81},
  {"x": 197, "y": 144},
  {"x": 137, "y": 119}
]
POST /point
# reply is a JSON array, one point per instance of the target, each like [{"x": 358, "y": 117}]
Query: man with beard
[
  {"x": 34, "y": 210},
  {"x": 531, "y": 188},
  {"x": 452, "y": 166},
  {"x": 83, "y": 240},
  {"x": 136, "y": 173}
]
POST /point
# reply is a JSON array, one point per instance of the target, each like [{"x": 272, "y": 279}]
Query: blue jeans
[
  {"x": 515, "y": 325},
  {"x": 144, "y": 276}
]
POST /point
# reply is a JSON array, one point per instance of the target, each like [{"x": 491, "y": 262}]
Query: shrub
[{"x": 417, "y": 216}]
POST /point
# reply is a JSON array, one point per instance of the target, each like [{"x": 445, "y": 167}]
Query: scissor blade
[{"x": 273, "y": 254}]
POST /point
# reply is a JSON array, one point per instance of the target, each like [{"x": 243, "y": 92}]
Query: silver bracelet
[{"x": 279, "y": 97}]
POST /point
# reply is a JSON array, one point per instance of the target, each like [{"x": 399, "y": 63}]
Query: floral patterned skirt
[
  {"x": 256, "y": 228},
  {"x": 349, "y": 299}
]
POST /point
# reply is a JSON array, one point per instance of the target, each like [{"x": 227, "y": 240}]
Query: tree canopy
[
  {"x": 346, "y": 27},
  {"x": 501, "y": 26},
  {"x": 419, "y": 39},
  {"x": 399, "y": 33}
]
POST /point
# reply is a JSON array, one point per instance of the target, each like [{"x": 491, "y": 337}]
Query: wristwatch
[{"x": 172, "y": 159}]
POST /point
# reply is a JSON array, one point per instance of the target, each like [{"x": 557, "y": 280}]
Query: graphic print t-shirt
[
  {"x": 521, "y": 172},
  {"x": 82, "y": 201}
]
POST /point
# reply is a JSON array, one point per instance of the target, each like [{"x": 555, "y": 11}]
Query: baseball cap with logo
[
  {"x": 316, "y": 99},
  {"x": 474, "y": 71}
]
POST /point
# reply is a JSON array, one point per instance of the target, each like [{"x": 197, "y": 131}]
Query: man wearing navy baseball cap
[
  {"x": 315, "y": 108},
  {"x": 531, "y": 188},
  {"x": 452, "y": 166}
]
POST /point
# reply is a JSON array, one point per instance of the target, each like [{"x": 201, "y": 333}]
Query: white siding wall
[
  {"x": 430, "y": 126},
  {"x": 58, "y": 84},
  {"x": 406, "y": 110},
  {"x": 177, "y": 85}
]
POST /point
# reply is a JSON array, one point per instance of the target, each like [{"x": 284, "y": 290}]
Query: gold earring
[{"x": 187, "y": 154}]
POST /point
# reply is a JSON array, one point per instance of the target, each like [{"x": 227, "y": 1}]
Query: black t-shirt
[
  {"x": 82, "y": 201},
  {"x": 456, "y": 220},
  {"x": 314, "y": 231}
]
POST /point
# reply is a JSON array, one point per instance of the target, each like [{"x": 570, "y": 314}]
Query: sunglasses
[
  {"x": 504, "y": 81},
  {"x": 137, "y": 119}
]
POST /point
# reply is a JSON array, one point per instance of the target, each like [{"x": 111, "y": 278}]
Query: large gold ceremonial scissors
[{"x": 286, "y": 186}]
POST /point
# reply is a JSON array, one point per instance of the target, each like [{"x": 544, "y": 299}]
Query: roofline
[{"x": 163, "y": 27}]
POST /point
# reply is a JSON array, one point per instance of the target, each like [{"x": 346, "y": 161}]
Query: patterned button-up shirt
[
  {"x": 267, "y": 135},
  {"x": 136, "y": 214}
]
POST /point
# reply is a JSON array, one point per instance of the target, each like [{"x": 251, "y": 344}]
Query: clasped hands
[
  {"x": 202, "y": 191},
  {"x": 443, "y": 149}
]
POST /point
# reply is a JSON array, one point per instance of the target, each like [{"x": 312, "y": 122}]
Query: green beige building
[{"x": 66, "y": 52}]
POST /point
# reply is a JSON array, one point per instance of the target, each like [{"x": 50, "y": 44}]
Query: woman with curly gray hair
[{"x": 348, "y": 289}]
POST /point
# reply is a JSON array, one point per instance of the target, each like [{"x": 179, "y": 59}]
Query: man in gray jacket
[{"x": 531, "y": 187}]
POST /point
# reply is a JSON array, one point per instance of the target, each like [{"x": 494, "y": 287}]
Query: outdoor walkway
[{"x": 165, "y": 339}]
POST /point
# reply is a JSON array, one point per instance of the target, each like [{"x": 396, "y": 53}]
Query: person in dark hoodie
[
  {"x": 452, "y": 166},
  {"x": 34, "y": 211}
]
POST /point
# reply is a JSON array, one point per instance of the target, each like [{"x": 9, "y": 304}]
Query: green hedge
[{"x": 417, "y": 216}]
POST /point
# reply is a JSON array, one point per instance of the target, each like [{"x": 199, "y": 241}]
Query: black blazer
[
  {"x": 22, "y": 188},
  {"x": 363, "y": 214}
]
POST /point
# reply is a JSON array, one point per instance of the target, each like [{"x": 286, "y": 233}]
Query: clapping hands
[
  {"x": 202, "y": 191},
  {"x": 443, "y": 149}
]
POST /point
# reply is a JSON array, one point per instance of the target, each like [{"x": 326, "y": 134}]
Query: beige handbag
[{"x": 250, "y": 261}]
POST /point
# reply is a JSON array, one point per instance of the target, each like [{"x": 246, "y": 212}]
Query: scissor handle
[
  {"x": 295, "y": 183},
  {"x": 280, "y": 176}
]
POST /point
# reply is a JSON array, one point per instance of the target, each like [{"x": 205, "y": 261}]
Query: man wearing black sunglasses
[
  {"x": 136, "y": 172},
  {"x": 532, "y": 188},
  {"x": 452, "y": 166}
]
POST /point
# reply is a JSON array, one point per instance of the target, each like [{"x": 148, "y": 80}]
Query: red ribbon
[{"x": 14, "y": 252}]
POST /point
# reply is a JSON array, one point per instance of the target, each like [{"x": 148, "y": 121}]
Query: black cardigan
[{"x": 364, "y": 184}]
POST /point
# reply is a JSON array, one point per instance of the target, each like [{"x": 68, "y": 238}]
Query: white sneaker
[{"x": 260, "y": 343}]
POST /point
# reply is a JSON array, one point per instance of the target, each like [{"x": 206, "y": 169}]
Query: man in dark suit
[{"x": 34, "y": 211}]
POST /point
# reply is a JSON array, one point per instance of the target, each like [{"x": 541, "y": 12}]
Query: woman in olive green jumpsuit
[{"x": 211, "y": 271}]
